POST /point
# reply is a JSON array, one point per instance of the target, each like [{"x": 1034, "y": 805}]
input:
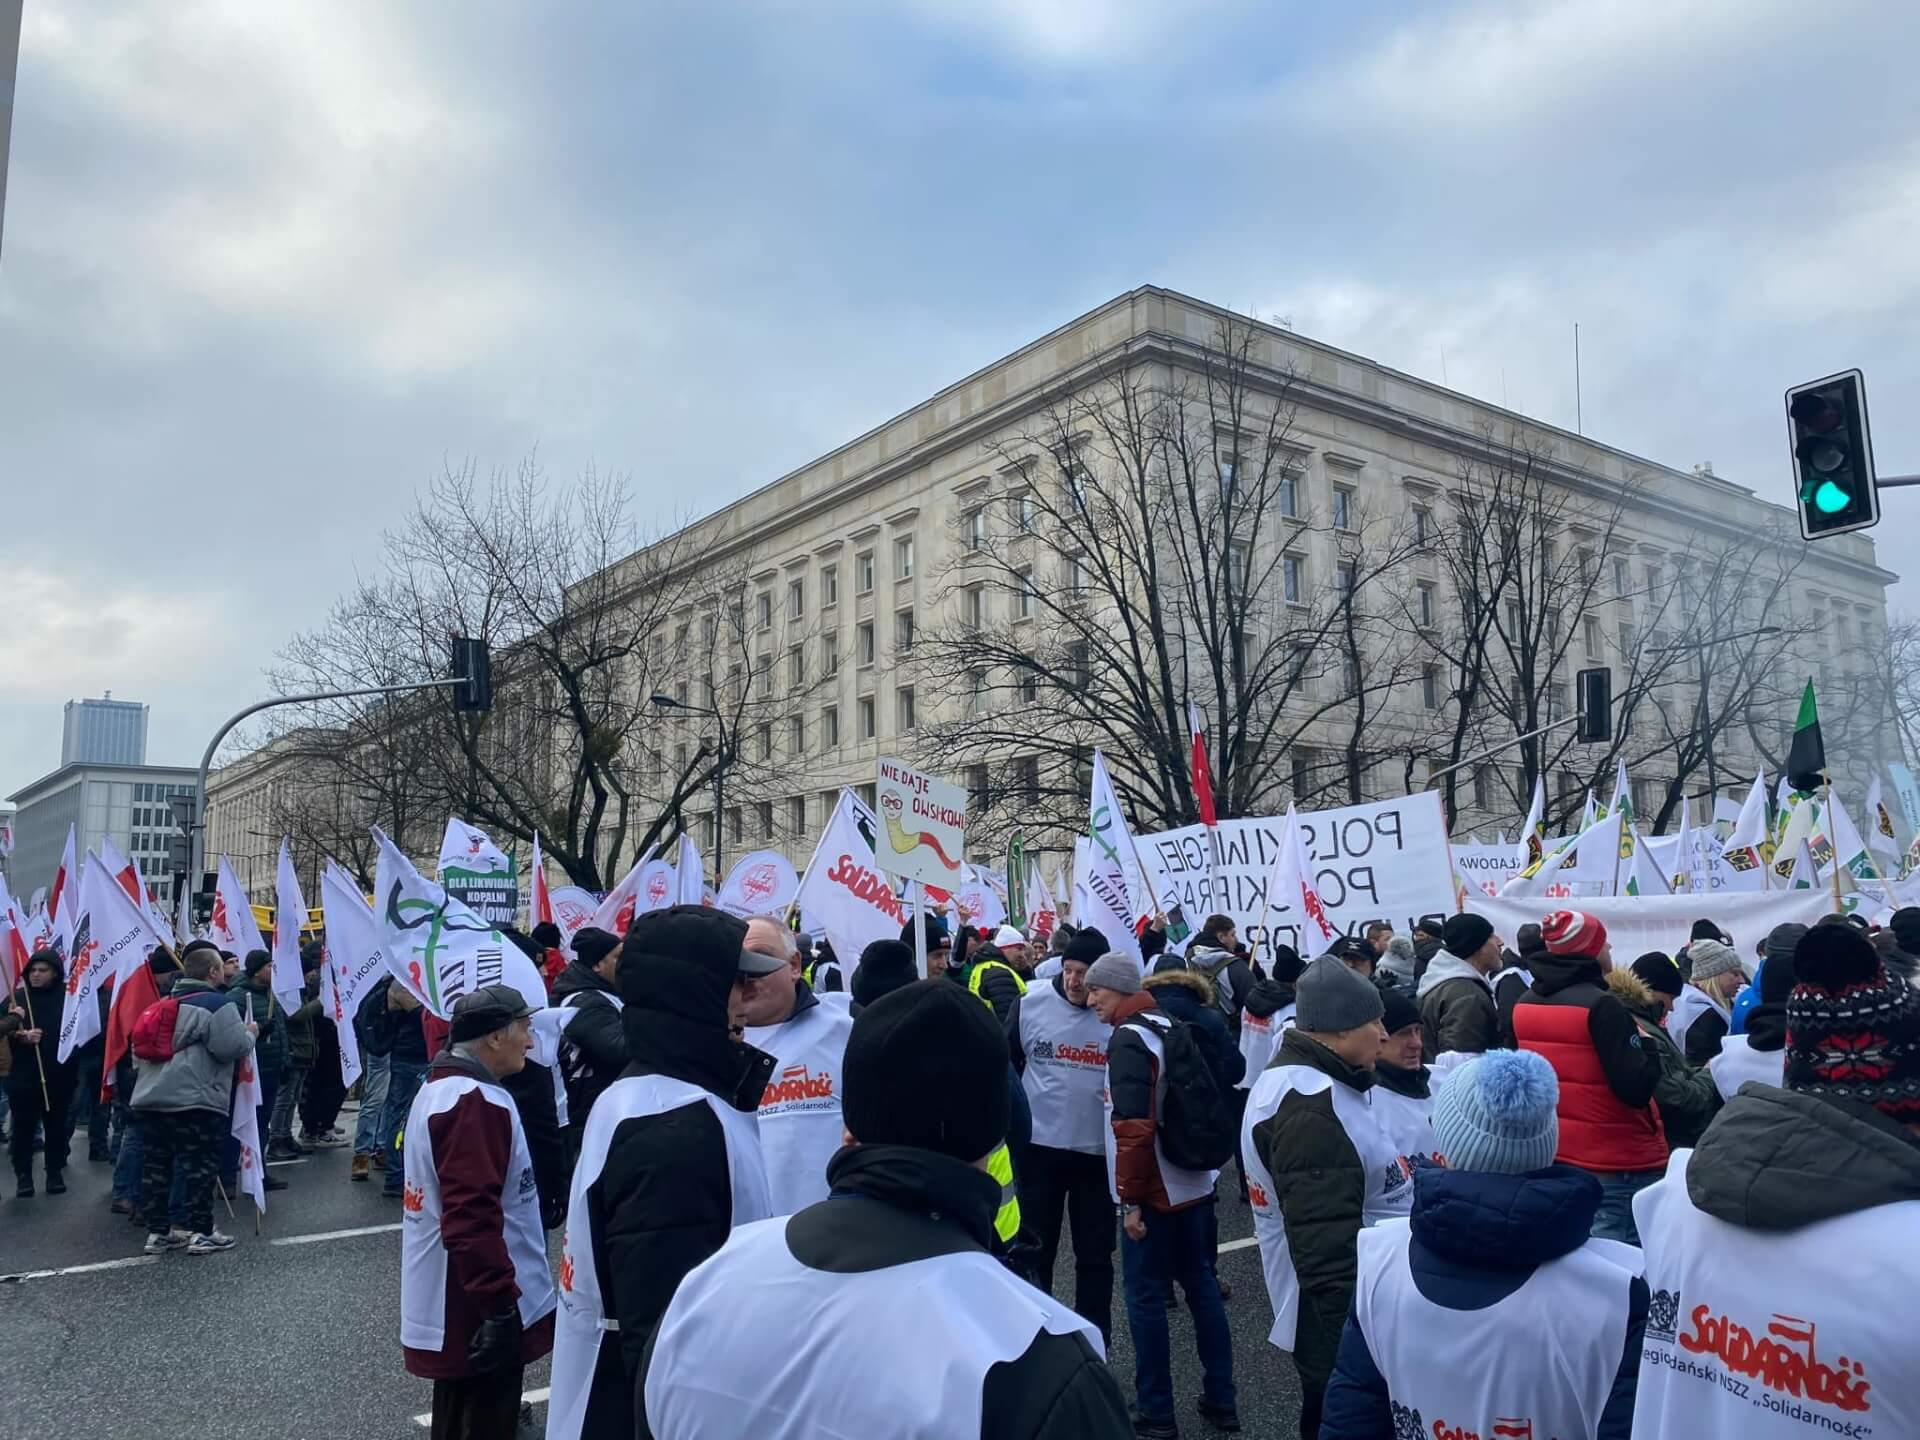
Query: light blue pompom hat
[{"x": 1499, "y": 1113}]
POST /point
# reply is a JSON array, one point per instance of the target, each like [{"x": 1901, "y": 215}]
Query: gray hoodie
[{"x": 208, "y": 1036}]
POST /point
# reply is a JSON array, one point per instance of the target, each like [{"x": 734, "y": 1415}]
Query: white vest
[
  {"x": 1408, "y": 1125},
  {"x": 1688, "y": 1006},
  {"x": 1065, "y": 1075},
  {"x": 583, "y": 1322},
  {"x": 1389, "y": 1179},
  {"x": 927, "y": 1331},
  {"x": 1776, "y": 1335},
  {"x": 1182, "y": 1186},
  {"x": 1539, "y": 1363},
  {"x": 1047, "y": 968},
  {"x": 800, "y": 1123},
  {"x": 423, "y": 1256},
  {"x": 1738, "y": 1062},
  {"x": 1259, "y": 1038}
]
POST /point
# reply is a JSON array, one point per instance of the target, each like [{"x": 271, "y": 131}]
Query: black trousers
[
  {"x": 320, "y": 1102},
  {"x": 191, "y": 1140},
  {"x": 1066, "y": 1181},
  {"x": 478, "y": 1407},
  {"x": 31, "y": 1106}
]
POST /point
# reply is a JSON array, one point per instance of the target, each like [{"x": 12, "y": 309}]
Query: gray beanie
[
  {"x": 1399, "y": 959},
  {"x": 1711, "y": 958},
  {"x": 1330, "y": 997},
  {"x": 1115, "y": 972},
  {"x": 1499, "y": 1112}
]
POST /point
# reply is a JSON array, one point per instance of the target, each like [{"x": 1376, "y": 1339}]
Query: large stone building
[
  {"x": 127, "y": 804},
  {"x": 847, "y": 556},
  {"x": 271, "y": 792}
]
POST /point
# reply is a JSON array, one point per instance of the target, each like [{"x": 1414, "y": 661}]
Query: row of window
[
  {"x": 150, "y": 792},
  {"x": 865, "y": 575}
]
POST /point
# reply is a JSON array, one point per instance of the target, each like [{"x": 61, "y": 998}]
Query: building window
[
  {"x": 1350, "y": 674},
  {"x": 1023, "y": 596},
  {"x": 763, "y": 738},
  {"x": 763, "y": 610},
  {"x": 976, "y": 692},
  {"x": 1423, "y": 593},
  {"x": 710, "y": 823},
  {"x": 797, "y": 815},
  {"x": 1655, "y": 575},
  {"x": 1303, "y": 764},
  {"x": 1422, "y": 527},
  {"x": 1079, "y": 665},
  {"x": 1626, "y": 641},
  {"x": 829, "y": 587},
  {"x": 978, "y": 798},
  {"x": 1346, "y": 576},
  {"x": 976, "y": 530},
  {"x": 830, "y": 727},
  {"x": 797, "y": 734},
  {"x": 1556, "y": 700},
  {"x": 765, "y": 809},
  {"x": 735, "y": 832},
  {"x": 865, "y": 794},
  {"x": 1293, "y": 579},
  {"x": 796, "y": 666},
  {"x": 903, "y": 631},
  {"x": 903, "y": 558},
  {"x": 1229, "y": 467},
  {"x": 863, "y": 572},
  {"x": 1482, "y": 788},
  {"x": 830, "y": 653},
  {"x": 867, "y": 719},
  {"x": 1590, "y": 629},
  {"x": 1076, "y": 574},
  {"x": 1290, "y": 494},
  {"x": 863, "y": 644},
  {"x": 974, "y": 605},
  {"x": 1026, "y": 779},
  {"x": 1023, "y": 512},
  {"x": 1430, "y": 687},
  {"x": 905, "y": 717},
  {"x": 1342, "y": 508},
  {"x": 1028, "y": 686},
  {"x": 1241, "y": 569},
  {"x": 796, "y": 599},
  {"x": 1622, "y": 578}
]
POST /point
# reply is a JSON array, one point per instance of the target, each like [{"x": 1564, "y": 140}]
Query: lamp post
[
  {"x": 722, "y": 759},
  {"x": 1703, "y": 708}
]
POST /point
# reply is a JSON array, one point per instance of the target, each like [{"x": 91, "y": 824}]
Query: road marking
[
  {"x": 297, "y": 1160},
  {"x": 530, "y": 1397},
  {"x": 1239, "y": 1244},
  {"x": 125, "y": 1262},
  {"x": 341, "y": 1234}
]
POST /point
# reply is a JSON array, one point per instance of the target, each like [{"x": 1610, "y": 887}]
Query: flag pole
[
  {"x": 39, "y": 1051},
  {"x": 1826, "y": 778}
]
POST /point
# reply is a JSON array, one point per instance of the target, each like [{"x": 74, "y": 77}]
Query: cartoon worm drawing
[{"x": 903, "y": 839}]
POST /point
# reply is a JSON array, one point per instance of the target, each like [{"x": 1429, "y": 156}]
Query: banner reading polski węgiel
[{"x": 1383, "y": 861}]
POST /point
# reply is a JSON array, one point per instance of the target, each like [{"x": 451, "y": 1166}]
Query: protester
[
  {"x": 1215, "y": 953},
  {"x": 40, "y": 1085},
  {"x": 1015, "y": 950},
  {"x": 1775, "y": 1250},
  {"x": 593, "y": 1047},
  {"x": 1058, "y": 1045},
  {"x": 251, "y": 996},
  {"x": 1164, "y": 1233},
  {"x": 1683, "y": 1097},
  {"x": 1379, "y": 934},
  {"x": 300, "y": 1053},
  {"x": 1266, "y": 1013},
  {"x": 1662, "y": 979},
  {"x": 1607, "y": 1074},
  {"x": 824, "y": 973},
  {"x": 885, "y": 966},
  {"x": 1455, "y": 994},
  {"x": 1759, "y": 1051},
  {"x": 800, "y": 1112},
  {"x": 85, "y": 1107},
  {"x": 1402, "y": 1086},
  {"x": 1515, "y": 974},
  {"x": 1428, "y": 933},
  {"x": 374, "y": 1076},
  {"x": 399, "y": 1032},
  {"x": 325, "y": 1091},
  {"x": 538, "y": 1091},
  {"x": 553, "y": 955},
  {"x": 1320, "y": 1165},
  {"x": 1396, "y": 966},
  {"x": 184, "y": 1102},
  {"x": 476, "y": 1297},
  {"x": 897, "y": 1258},
  {"x": 994, "y": 980},
  {"x": 1492, "y": 1300},
  {"x": 1905, "y": 959},
  {"x": 669, "y": 1163},
  {"x": 1700, "y": 930},
  {"x": 1703, "y": 1011},
  {"x": 939, "y": 942}
]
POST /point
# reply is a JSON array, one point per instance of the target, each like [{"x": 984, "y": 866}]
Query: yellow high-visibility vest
[{"x": 1006, "y": 1223}]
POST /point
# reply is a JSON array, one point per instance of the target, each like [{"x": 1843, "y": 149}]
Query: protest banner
[
  {"x": 478, "y": 874},
  {"x": 923, "y": 824},
  {"x": 760, "y": 883},
  {"x": 1387, "y": 860},
  {"x": 1636, "y": 925},
  {"x": 1485, "y": 867}
]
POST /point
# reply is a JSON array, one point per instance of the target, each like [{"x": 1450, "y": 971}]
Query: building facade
[
  {"x": 127, "y": 804},
  {"x": 104, "y": 732},
  {"x": 269, "y": 793}
]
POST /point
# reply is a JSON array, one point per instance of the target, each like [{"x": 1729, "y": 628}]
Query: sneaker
[
  {"x": 1145, "y": 1429},
  {"x": 24, "y": 1190},
  {"x": 332, "y": 1140},
  {"x": 56, "y": 1182},
  {"x": 362, "y": 1168},
  {"x": 210, "y": 1243},
  {"x": 161, "y": 1244},
  {"x": 121, "y": 1207},
  {"x": 1220, "y": 1417}
]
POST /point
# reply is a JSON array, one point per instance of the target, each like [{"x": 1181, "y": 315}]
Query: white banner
[
  {"x": 355, "y": 961},
  {"x": 108, "y": 928},
  {"x": 288, "y": 976},
  {"x": 1102, "y": 896},
  {"x": 1484, "y": 867},
  {"x": 762, "y": 883},
  {"x": 572, "y": 909},
  {"x": 843, "y": 893},
  {"x": 1709, "y": 864},
  {"x": 437, "y": 945},
  {"x": 478, "y": 874},
  {"x": 244, "y": 1122},
  {"x": 1663, "y": 923},
  {"x": 232, "y": 926},
  {"x": 1383, "y": 861}
]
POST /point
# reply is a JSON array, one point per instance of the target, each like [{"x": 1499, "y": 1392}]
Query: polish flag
[
  {"x": 539, "y": 902},
  {"x": 63, "y": 899},
  {"x": 134, "y": 989},
  {"x": 1202, "y": 776}
]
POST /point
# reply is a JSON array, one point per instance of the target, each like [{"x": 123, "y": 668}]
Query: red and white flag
[
  {"x": 63, "y": 898},
  {"x": 245, "y": 1126},
  {"x": 1291, "y": 889},
  {"x": 134, "y": 989},
  {"x": 1043, "y": 912},
  {"x": 647, "y": 886},
  {"x": 539, "y": 902},
  {"x": 128, "y": 874},
  {"x": 1202, "y": 773},
  {"x": 232, "y": 926},
  {"x": 13, "y": 942},
  {"x": 111, "y": 934},
  {"x": 289, "y": 915},
  {"x": 354, "y": 961}
]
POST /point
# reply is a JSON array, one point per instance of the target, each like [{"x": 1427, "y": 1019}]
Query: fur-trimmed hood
[
  {"x": 1201, "y": 987},
  {"x": 1631, "y": 991}
]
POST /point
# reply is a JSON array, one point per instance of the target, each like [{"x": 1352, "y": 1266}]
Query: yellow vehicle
[{"x": 263, "y": 917}]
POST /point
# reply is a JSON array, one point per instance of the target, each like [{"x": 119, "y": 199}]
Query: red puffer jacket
[{"x": 1607, "y": 1076}]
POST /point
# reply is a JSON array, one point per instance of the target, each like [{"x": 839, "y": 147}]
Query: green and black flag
[{"x": 1807, "y": 756}]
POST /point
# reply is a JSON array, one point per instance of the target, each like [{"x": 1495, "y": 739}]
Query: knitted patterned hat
[
  {"x": 1573, "y": 932},
  {"x": 1853, "y": 1030},
  {"x": 1499, "y": 1112}
]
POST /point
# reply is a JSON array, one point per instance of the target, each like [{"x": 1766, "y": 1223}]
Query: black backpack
[{"x": 1197, "y": 1130}]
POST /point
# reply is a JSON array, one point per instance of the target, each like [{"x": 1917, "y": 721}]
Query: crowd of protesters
[{"x": 1523, "y": 1190}]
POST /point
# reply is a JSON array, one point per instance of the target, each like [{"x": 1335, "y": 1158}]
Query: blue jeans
[
  {"x": 1175, "y": 1248},
  {"x": 1614, "y": 1219},
  {"x": 373, "y": 1104},
  {"x": 126, "y": 1173},
  {"x": 403, "y": 1083}
]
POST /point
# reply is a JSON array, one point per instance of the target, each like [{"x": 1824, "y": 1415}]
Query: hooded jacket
[
  {"x": 1456, "y": 1009},
  {"x": 44, "y": 1008},
  {"x": 1229, "y": 977},
  {"x": 1684, "y": 1095},
  {"x": 1188, "y": 998},
  {"x": 1425, "y": 949},
  {"x": 1607, "y": 1073},
  {"x": 208, "y": 1036},
  {"x": 991, "y": 978},
  {"x": 593, "y": 1047},
  {"x": 1477, "y": 1238},
  {"x": 898, "y": 1208}
]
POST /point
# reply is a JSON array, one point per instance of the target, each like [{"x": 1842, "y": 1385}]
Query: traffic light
[
  {"x": 1593, "y": 695},
  {"x": 473, "y": 665},
  {"x": 1834, "y": 486}
]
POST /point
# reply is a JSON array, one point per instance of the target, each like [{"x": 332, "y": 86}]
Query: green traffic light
[{"x": 1830, "y": 499}]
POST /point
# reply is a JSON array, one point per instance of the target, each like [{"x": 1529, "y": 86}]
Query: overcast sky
[{"x": 266, "y": 265}]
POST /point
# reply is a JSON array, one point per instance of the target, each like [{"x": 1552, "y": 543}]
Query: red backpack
[{"x": 153, "y": 1031}]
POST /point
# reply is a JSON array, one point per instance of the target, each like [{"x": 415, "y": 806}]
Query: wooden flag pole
[{"x": 1826, "y": 778}]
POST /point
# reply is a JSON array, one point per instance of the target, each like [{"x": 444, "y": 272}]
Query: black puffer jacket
[{"x": 593, "y": 1048}]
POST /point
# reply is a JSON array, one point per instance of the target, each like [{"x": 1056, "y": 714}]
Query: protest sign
[
  {"x": 1636, "y": 925},
  {"x": 923, "y": 824},
  {"x": 478, "y": 874}
]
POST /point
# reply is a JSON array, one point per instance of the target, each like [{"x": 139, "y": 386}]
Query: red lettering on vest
[
  {"x": 796, "y": 1082},
  {"x": 1773, "y": 1360},
  {"x": 1081, "y": 1055},
  {"x": 566, "y": 1271},
  {"x": 413, "y": 1199},
  {"x": 1257, "y": 1196}
]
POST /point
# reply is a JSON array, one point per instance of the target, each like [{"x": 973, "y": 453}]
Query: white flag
[
  {"x": 128, "y": 874},
  {"x": 572, "y": 909},
  {"x": 244, "y": 1124},
  {"x": 1101, "y": 897},
  {"x": 1806, "y": 875},
  {"x": 1748, "y": 846},
  {"x": 539, "y": 899},
  {"x": 289, "y": 915},
  {"x": 232, "y": 926},
  {"x": 1533, "y": 835},
  {"x": 690, "y": 873},
  {"x": 1043, "y": 911},
  {"x": 647, "y": 886},
  {"x": 355, "y": 960},
  {"x": 977, "y": 902},
  {"x": 439, "y": 946},
  {"x": 1292, "y": 891},
  {"x": 762, "y": 883},
  {"x": 1643, "y": 877},
  {"x": 63, "y": 900},
  {"x": 1583, "y": 863},
  {"x": 1802, "y": 823},
  {"x": 478, "y": 874},
  {"x": 109, "y": 933},
  {"x": 1590, "y": 813},
  {"x": 1849, "y": 850},
  {"x": 1880, "y": 834},
  {"x": 843, "y": 893}
]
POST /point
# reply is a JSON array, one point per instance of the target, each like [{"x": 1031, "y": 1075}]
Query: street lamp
[
  {"x": 1705, "y": 710},
  {"x": 668, "y": 702}
]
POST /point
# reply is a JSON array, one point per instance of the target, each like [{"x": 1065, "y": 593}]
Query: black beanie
[
  {"x": 1464, "y": 934},
  {"x": 885, "y": 966},
  {"x": 1659, "y": 974},
  {"x": 1285, "y": 964},
  {"x": 591, "y": 944},
  {"x": 1400, "y": 1011},
  {"x": 1905, "y": 925},
  {"x": 1778, "y": 973},
  {"x": 547, "y": 935},
  {"x": 926, "y": 1066},
  {"x": 1706, "y": 930},
  {"x": 1086, "y": 946},
  {"x": 257, "y": 960},
  {"x": 1152, "y": 943},
  {"x": 937, "y": 937},
  {"x": 680, "y": 961}
]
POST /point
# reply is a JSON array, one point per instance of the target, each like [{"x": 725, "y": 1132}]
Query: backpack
[
  {"x": 153, "y": 1031},
  {"x": 1197, "y": 1129},
  {"x": 1227, "y": 1005}
]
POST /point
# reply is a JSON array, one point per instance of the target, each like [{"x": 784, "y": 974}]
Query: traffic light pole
[
  {"x": 199, "y": 828},
  {"x": 1502, "y": 748}
]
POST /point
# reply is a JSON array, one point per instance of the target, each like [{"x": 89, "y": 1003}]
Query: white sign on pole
[{"x": 923, "y": 825}]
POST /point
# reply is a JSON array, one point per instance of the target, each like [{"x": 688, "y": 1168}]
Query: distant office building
[
  {"x": 126, "y": 804},
  {"x": 104, "y": 732}
]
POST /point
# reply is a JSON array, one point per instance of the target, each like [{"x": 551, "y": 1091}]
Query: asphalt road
[{"x": 295, "y": 1331}]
